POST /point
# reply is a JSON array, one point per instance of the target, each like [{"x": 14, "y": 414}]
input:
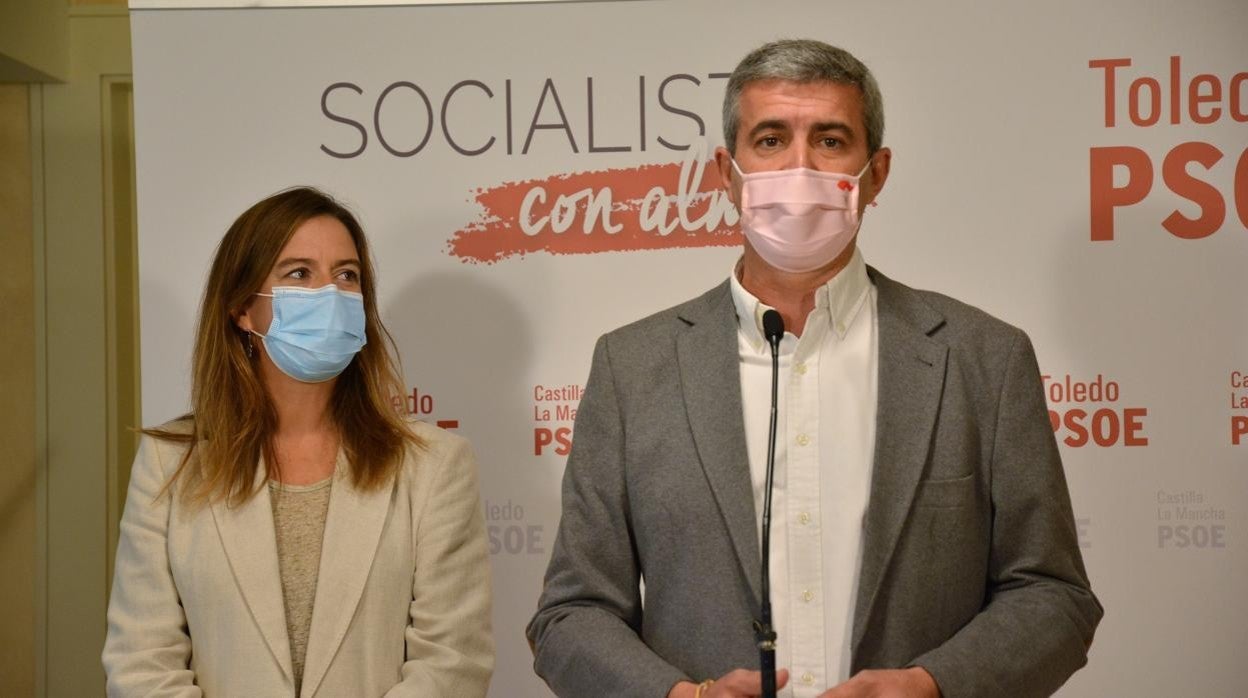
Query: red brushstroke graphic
[{"x": 641, "y": 208}]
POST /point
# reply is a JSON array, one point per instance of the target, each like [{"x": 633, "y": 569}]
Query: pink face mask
[{"x": 799, "y": 220}]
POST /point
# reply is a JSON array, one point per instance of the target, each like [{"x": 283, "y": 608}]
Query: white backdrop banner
[{"x": 533, "y": 175}]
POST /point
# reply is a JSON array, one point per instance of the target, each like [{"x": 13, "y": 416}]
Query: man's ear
[
  {"x": 723, "y": 162},
  {"x": 881, "y": 162}
]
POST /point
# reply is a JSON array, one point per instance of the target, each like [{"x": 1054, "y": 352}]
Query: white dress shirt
[{"x": 825, "y": 444}]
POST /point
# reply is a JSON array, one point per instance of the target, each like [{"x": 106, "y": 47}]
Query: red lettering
[
  {"x": 1241, "y": 187},
  {"x": 1110, "y": 65},
  {"x": 1079, "y": 392},
  {"x": 1145, "y": 94},
  {"x": 1134, "y": 108},
  {"x": 1105, "y": 427},
  {"x": 561, "y": 438},
  {"x": 1105, "y": 197},
  {"x": 541, "y": 439},
  {"x": 1195, "y": 98},
  {"x": 419, "y": 404},
  {"x": 1203, "y": 194},
  {"x": 1174, "y": 89},
  {"x": 1133, "y": 424},
  {"x": 1111, "y": 390},
  {"x": 1078, "y": 433},
  {"x": 1239, "y": 429},
  {"x": 1238, "y": 112}
]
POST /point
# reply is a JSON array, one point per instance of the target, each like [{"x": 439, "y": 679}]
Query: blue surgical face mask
[{"x": 315, "y": 332}]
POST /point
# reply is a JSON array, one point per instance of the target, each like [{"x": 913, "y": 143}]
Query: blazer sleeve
[
  {"x": 1036, "y": 627},
  {"x": 147, "y": 651},
  {"x": 585, "y": 635},
  {"x": 450, "y": 648}
]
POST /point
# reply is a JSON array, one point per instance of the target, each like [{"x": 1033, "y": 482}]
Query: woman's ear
[{"x": 242, "y": 318}]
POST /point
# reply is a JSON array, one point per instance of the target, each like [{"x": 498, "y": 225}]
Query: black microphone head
[{"x": 773, "y": 326}]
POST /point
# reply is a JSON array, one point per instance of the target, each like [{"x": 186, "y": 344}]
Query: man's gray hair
[{"x": 804, "y": 61}]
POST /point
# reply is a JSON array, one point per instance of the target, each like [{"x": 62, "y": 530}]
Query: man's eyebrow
[
  {"x": 820, "y": 127},
  {"x": 769, "y": 125},
  {"x": 832, "y": 126}
]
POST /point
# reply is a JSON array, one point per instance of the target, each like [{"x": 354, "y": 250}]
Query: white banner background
[{"x": 992, "y": 115}]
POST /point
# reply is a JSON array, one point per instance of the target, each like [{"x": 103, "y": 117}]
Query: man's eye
[
  {"x": 831, "y": 143},
  {"x": 769, "y": 141}
]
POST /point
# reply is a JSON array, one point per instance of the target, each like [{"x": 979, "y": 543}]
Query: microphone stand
[{"x": 764, "y": 633}]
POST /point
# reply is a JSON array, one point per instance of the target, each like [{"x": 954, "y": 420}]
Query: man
[{"x": 923, "y": 542}]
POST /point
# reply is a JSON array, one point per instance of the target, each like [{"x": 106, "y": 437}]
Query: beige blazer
[{"x": 402, "y": 602}]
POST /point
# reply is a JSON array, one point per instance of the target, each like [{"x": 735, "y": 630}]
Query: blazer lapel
[
  {"x": 911, "y": 382},
  {"x": 352, "y": 532},
  {"x": 250, "y": 543},
  {"x": 710, "y": 378}
]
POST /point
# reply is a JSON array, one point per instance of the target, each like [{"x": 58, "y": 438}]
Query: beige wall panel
[
  {"x": 17, "y": 397},
  {"x": 34, "y": 37},
  {"x": 78, "y": 438},
  {"x": 121, "y": 279}
]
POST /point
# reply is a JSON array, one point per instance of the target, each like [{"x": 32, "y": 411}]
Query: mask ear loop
[
  {"x": 249, "y": 347},
  {"x": 253, "y": 332},
  {"x": 862, "y": 174}
]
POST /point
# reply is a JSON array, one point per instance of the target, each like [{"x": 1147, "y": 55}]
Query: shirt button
[
  {"x": 808, "y": 596},
  {"x": 802, "y": 439},
  {"x": 807, "y": 678},
  {"x": 800, "y": 368},
  {"x": 803, "y": 518}
]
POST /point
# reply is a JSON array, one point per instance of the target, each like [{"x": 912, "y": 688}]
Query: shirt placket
[{"x": 803, "y": 517}]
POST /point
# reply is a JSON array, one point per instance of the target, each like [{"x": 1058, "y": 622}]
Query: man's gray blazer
[{"x": 971, "y": 567}]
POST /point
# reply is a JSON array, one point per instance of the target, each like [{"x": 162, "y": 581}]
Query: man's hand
[
  {"x": 738, "y": 683},
  {"x": 914, "y": 682}
]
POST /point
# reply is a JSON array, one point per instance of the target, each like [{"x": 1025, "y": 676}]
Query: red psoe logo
[{"x": 1189, "y": 170}]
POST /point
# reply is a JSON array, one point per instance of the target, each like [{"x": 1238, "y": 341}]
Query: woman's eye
[
  {"x": 298, "y": 274},
  {"x": 349, "y": 275}
]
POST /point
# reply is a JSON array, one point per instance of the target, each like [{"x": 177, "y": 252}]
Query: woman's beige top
[{"x": 299, "y": 513}]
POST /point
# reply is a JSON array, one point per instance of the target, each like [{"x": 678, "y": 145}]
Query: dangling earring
[{"x": 249, "y": 349}]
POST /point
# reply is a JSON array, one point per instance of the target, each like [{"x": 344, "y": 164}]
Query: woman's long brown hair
[{"x": 233, "y": 420}]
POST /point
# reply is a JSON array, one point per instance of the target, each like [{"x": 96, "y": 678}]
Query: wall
[
  {"x": 17, "y": 395},
  {"x": 69, "y": 353}
]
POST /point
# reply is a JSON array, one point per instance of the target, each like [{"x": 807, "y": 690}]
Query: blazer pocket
[{"x": 949, "y": 493}]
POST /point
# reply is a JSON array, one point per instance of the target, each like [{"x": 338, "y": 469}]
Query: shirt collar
[{"x": 839, "y": 299}]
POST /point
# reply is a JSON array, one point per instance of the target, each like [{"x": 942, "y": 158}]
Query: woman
[{"x": 294, "y": 535}]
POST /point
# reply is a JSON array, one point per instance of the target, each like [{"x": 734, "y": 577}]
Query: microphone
[
  {"x": 773, "y": 329},
  {"x": 764, "y": 633}
]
